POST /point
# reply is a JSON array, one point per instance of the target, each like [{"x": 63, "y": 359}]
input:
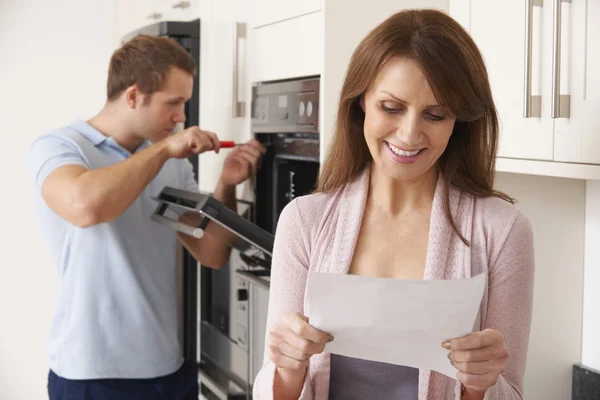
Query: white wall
[
  {"x": 591, "y": 303},
  {"x": 53, "y": 62},
  {"x": 556, "y": 208}
]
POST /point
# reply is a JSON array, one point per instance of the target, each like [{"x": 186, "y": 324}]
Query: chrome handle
[
  {"x": 532, "y": 104},
  {"x": 176, "y": 225},
  {"x": 182, "y": 4},
  {"x": 561, "y": 104},
  {"x": 154, "y": 16},
  {"x": 240, "y": 33}
]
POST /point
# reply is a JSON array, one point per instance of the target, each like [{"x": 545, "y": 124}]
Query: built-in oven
[
  {"x": 225, "y": 346},
  {"x": 233, "y": 300},
  {"x": 286, "y": 120}
]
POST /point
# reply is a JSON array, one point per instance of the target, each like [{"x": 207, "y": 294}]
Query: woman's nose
[{"x": 409, "y": 129}]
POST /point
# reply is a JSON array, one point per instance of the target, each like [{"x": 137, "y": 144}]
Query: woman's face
[{"x": 405, "y": 129}]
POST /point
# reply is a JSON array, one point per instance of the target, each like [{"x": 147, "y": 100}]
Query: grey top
[{"x": 356, "y": 379}]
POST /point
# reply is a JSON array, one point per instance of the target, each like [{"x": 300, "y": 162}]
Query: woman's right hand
[{"x": 292, "y": 341}]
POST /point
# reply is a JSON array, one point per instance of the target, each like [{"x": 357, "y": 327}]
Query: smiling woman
[
  {"x": 402, "y": 133},
  {"x": 419, "y": 80},
  {"x": 406, "y": 192}
]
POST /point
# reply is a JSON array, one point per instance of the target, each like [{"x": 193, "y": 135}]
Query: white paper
[{"x": 396, "y": 321}]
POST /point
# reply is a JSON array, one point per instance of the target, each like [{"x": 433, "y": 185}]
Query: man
[{"x": 114, "y": 333}]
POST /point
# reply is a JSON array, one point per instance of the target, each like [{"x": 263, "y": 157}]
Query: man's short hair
[{"x": 144, "y": 61}]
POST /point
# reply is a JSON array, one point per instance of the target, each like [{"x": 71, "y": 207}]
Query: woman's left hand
[{"x": 480, "y": 358}]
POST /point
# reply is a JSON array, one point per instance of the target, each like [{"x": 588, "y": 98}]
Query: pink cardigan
[{"x": 318, "y": 232}]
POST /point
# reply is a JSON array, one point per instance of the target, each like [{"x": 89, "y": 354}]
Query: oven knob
[
  {"x": 301, "y": 109},
  {"x": 242, "y": 294},
  {"x": 309, "y": 109}
]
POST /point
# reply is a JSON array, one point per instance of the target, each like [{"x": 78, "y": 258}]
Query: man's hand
[
  {"x": 242, "y": 163},
  {"x": 191, "y": 141}
]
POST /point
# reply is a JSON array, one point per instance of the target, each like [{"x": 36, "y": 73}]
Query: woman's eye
[
  {"x": 434, "y": 117},
  {"x": 390, "y": 110}
]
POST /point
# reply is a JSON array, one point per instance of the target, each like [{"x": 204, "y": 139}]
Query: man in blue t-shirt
[{"x": 114, "y": 333}]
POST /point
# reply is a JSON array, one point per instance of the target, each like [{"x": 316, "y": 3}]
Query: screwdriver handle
[{"x": 226, "y": 144}]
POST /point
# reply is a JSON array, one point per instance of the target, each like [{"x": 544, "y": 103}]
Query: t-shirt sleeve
[{"x": 49, "y": 152}]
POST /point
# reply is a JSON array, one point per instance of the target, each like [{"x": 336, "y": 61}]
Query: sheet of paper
[{"x": 396, "y": 321}]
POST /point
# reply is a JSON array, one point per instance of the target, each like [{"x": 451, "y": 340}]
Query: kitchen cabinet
[
  {"x": 271, "y": 11},
  {"x": 178, "y": 10},
  {"x": 225, "y": 93},
  {"x": 577, "y": 139},
  {"x": 533, "y": 59},
  {"x": 133, "y": 14},
  {"x": 288, "y": 49}
]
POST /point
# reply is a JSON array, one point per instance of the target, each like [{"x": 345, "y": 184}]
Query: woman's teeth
[{"x": 401, "y": 152}]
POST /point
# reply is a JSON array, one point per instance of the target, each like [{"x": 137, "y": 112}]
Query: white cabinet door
[
  {"x": 577, "y": 138},
  {"x": 288, "y": 49},
  {"x": 271, "y": 11},
  {"x": 224, "y": 85},
  {"x": 499, "y": 29},
  {"x": 179, "y": 10}
]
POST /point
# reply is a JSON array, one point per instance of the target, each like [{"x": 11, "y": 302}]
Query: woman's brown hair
[{"x": 455, "y": 70}]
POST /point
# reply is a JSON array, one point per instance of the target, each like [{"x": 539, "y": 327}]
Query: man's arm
[{"x": 86, "y": 197}]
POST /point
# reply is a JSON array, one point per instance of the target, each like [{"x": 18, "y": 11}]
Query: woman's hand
[
  {"x": 292, "y": 341},
  {"x": 480, "y": 358}
]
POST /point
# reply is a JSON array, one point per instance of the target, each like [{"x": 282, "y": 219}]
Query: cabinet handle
[
  {"x": 182, "y": 4},
  {"x": 240, "y": 33},
  {"x": 561, "y": 104},
  {"x": 154, "y": 16},
  {"x": 532, "y": 104}
]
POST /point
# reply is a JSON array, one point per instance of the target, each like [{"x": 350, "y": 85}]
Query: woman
[{"x": 406, "y": 192}]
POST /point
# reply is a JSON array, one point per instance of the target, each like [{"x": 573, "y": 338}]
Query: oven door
[{"x": 293, "y": 177}]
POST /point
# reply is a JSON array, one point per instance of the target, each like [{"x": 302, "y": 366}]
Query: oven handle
[{"x": 158, "y": 216}]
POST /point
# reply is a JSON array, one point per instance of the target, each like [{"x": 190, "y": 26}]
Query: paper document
[{"x": 396, "y": 321}]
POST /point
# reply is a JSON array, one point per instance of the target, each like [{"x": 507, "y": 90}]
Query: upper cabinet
[
  {"x": 577, "y": 139},
  {"x": 270, "y": 11},
  {"x": 288, "y": 49},
  {"x": 542, "y": 57},
  {"x": 134, "y": 14},
  {"x": 286, "y": 39},
  {"x": 178, "y": 10},
  {"x": 225, "y": 93}
]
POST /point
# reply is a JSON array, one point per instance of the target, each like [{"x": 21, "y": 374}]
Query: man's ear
[{"x": 132, "y": 96}]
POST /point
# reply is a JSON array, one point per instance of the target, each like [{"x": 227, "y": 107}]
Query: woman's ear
[{"x": 362, "y": 102}]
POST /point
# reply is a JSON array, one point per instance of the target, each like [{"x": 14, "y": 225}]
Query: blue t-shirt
[{"x": 116, "y": 315}]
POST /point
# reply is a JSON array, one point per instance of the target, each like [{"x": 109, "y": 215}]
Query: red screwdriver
[{"x": 227, "y": 144}]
